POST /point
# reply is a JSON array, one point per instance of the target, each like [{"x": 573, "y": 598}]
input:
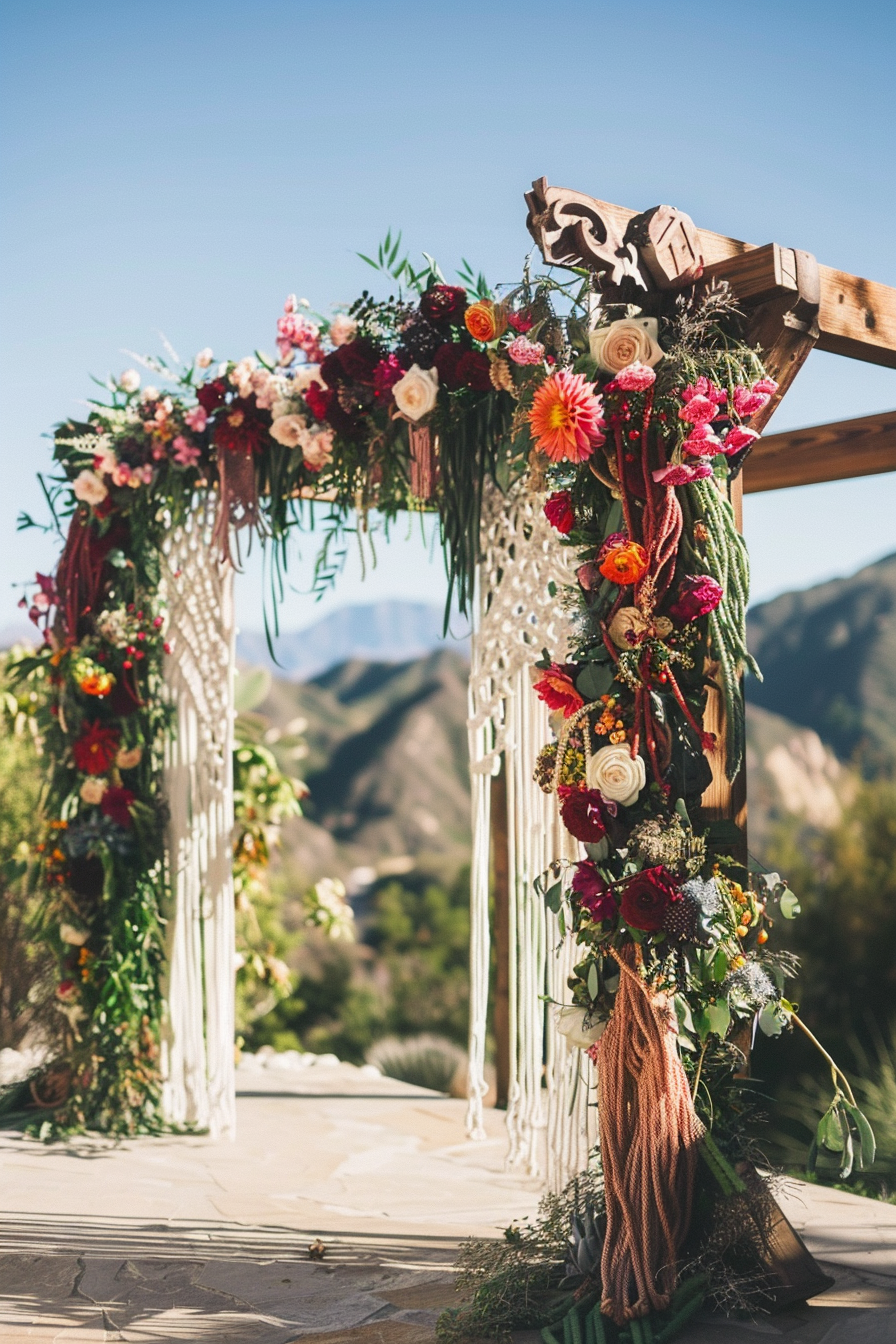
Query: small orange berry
[{"x": 762, "y": 936}]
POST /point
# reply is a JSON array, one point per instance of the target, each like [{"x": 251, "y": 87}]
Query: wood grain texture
[{"x": 834, "y": 452}]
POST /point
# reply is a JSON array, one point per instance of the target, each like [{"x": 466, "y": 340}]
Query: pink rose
[
  {"x": 738, "y": 437},
  {"x": 197, "y": 419},
  {"x": 523, "y": 351},
  {"x": 685, "y": 474},
  {"x": 636, "y": 377},
  {"x": 698, "y": 595},
  {"x": 767, "y": 385},
  {"x": 319, "y": 451},
  {"x": 89, "y": 488}
]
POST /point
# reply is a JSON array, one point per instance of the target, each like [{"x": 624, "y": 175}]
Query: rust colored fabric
[{"x": 649, "y": 1137}]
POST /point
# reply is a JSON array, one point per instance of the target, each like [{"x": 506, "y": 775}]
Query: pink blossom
[
  {"x": 636, "y": 377},
  {"x": 523, "y": 351},
  {"x": 121, "y": 474},
  {"x": 738, "y": 437},
  {"x": 197, "y": 419},
  {"x": 698, "y": 411},
  {"x": 747, "y": 402},
  {"x": 765, "y": 385},
  {"x": 291, "y": 304},
  {"x": 685, "y": 474},
  {"x": 702, "y": 442},
  {"x": 319, "y": 451},
  {"x": 186, "y": 454},
  {"x": 704, "y": 388}
]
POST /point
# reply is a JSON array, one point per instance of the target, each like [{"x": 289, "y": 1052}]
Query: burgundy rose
[
  {"x": 211, "y": 395},
  {"x": 593, "y": 892},
  {"x": 582, "y": 813},
  {"x": 698, "y": 595},
  {"x": 646, "y": 897},
  {"x": 446, "y": 359},
  {"x": 443, "y": 302},
  {"x": 559, "y": 512},
  {"x": 472, "y": 370},
  {"x": 351, "y": 363},
  {"x": 116, "y": 803}
]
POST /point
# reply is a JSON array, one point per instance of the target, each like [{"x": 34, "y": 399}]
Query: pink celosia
[
  {"x": 197, "y": 419},
  {"x": 635, "y": 377},
  {"x": 186, "y": 454},
  {"x": 738, "y": 437},
  {"x": 685, "y": 474},
  {"x": 702, "y": 442},
  {"x": 523, "y": 351}
]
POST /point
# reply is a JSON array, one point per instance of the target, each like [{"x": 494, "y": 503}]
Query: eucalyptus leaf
[
  {"x": 595, "y": 680},
  {"x": 867, "y": 1141},
  {"x": 593, "y": 980},
  {"x": 830, "y": 1131},
  {"x": 719, "y": 1015},
  {"x": 790, "y": 906}
]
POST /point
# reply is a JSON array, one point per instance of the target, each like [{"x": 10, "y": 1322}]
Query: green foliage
[{"x": 425, "y": 1061}]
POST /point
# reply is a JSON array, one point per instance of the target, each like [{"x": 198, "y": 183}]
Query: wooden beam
[
  {"x": 856, "y": 318},
  {"x": 836, "y": 452}
]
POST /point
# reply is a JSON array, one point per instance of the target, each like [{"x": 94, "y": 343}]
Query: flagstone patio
[{"x": 176, "y": 1239}]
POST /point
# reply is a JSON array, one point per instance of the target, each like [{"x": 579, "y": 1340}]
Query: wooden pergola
[{"x": 794, "y": 305}]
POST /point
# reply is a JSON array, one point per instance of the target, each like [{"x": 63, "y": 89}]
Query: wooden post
[{"x": 501, "y": 920}]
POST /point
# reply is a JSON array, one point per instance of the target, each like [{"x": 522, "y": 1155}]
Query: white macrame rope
[
  {"x": 198, "y": 1035},
  {"x": 516, "y": 617}
]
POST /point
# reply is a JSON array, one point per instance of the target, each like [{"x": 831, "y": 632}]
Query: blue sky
[{"x": 182, "y": 167}]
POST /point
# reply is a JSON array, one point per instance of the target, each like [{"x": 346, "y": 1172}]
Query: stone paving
[{"x": 176, "y": 1239}]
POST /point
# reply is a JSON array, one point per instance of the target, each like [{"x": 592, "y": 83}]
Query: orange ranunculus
[
  {"x": 485, "y": 321},
  {"x": 625, "y": 564}
]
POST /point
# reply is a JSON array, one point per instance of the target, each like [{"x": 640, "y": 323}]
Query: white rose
[
  {"x": 630, "y": 340},
  {"x": 305, "y": 375},
  {"x": 75, "y": 937},
  {"x": 129, "y": 380},
  {"x": 415, "y": 393},
  {"x": 204, "y": 358},
  {"x": 578, "y": 1026},
  {"x": 92, "y": 790},
  {"x": 619, "y": 776},
  {"x": 89, "y": 488},
  {"x": 342, "y": 330},
  {"x": 288, "y": 430}
]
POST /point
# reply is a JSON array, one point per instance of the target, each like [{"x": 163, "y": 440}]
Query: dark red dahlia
[
  {"x": 472, "y": 370},
  {"x": 95, "y": 749},
  {"x": 240, "y": 428},
  {"x": 582, "y": 813}
]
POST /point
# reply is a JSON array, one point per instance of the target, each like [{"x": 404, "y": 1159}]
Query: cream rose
[
  {"x": 128, "y": 757},
  {"x": 129, "y": 380},
  {"x": 204, "y": 358},
  {"x": 89, "y": 488},
  {"x": 288, "y": 430},
  {"x": 618, "y": 776},
  {"x": 629, "y": 626},
  {"x": 630, "y": 340},
  {"x": 317, "y": 450},
  {"x": 578, "y": 1026},
  {"x": 415, "y": 393},
  {"x": 305, "y": 375},
  {"x": 92, "y": 790}
]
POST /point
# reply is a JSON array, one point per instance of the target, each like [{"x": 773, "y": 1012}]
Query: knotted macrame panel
[
  {"x": 552, "y": 1127},
  {"x": 198, "y": 1040}
]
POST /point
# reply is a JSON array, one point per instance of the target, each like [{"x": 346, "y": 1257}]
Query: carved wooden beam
[
  {"x": 856, "y": 317},
  {"x": 835, "y": 452}
]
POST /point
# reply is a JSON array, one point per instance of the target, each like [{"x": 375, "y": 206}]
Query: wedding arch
[{"x": 585, "y": 437}]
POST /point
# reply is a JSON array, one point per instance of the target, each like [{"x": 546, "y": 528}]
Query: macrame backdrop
[
  {"x": 516, "y": 617},
  {"x": 198, "y": 1038}
]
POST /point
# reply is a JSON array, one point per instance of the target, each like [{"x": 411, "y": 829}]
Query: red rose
[
  {"x": 443, "y": 302},
  {"x": 95, "y": 749},
  {"x": 559, "y": 513},
  {"x": 318, "y": 400},
  {"x": 582, "y": 813},
  {"x": 593, "y": 892},
  {"x": 211, "y": 395},
  {"x": 116, "y": 803},
  {"x": 646, "y": 897},
  {"x": 353, "y": 362},
  {"x": 472, "y": 370},
  {"x": 698, "y": 595},
  {"x": 446, "y": 359}
]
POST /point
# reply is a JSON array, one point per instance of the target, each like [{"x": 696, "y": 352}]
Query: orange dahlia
[{"x": 566, "y": 417}]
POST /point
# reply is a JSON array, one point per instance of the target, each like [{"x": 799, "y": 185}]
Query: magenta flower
[
  {"x": 765, "y": 385},
  {"x": 635, "y": 377},
  {"x": 685, "y": 474},
  {"x": 385, "y": 375},
  {"x": 698, "y": 595},
  {"x": 593, "y": 892},
  {"x": 186, "y": 454},
  {"x": 702, "y": 442},
  {"x": 738, "y": 437},
  {"x": 197, "y": 418},
  {"x": 698, "y": 411}
]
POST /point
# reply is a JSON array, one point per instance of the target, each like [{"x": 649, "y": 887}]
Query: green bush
[{"x": 425, "y": 1061}]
